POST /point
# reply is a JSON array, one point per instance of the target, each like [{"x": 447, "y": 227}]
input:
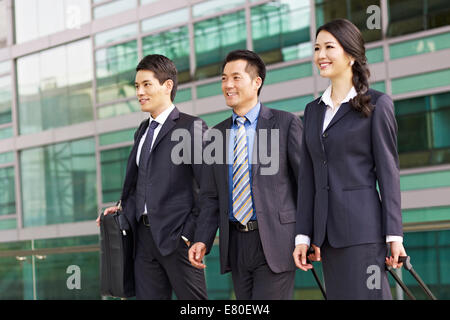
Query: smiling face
[
  {"x": 239, "y": 87},
  {"x": 330, "y": 57},
  {"x": 153, "y": 96}
]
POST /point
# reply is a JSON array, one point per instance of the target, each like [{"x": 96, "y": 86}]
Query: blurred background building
[{"x": 68, "y": 113}]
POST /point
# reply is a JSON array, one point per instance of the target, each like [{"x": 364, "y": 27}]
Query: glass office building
[{"x": 68, "y": 113}]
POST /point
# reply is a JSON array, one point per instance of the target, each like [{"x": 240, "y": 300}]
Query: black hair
[
  {"x": 351, "y": 40},
  {"x": 255, "y": 65},
  {"x": 163, "y": 68}
]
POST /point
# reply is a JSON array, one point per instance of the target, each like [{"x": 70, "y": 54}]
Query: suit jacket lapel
[
  {"x": 265, "y": 121},
  {"x": 167, "y": 126},
  {"x": 343, "y": 110}
]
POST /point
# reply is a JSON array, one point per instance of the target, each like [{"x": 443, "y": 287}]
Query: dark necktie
[{"x": 147, "y": 145}]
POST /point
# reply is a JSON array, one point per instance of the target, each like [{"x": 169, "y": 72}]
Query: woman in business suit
[{"x": 349, "y": 145}]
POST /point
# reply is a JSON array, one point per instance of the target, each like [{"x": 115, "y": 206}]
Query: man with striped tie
[{"x": 252, "y": 204}]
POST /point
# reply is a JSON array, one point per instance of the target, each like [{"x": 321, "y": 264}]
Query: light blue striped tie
[{"x": 242, "y": 198}]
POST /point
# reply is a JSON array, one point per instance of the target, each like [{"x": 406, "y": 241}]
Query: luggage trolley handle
[
  {"x": 406, "y": 260},
  {"x": 316, "y": 277}
]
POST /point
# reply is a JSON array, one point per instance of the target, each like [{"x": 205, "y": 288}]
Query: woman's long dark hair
[{"x": 352, "y": 41}]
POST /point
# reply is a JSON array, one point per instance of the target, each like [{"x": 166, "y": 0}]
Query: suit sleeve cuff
[
  {"x": 394, "y": 238},
  {"x": 302, "y": 239}
]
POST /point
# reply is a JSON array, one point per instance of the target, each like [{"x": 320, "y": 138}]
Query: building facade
[{"x": 68, "y": 113}]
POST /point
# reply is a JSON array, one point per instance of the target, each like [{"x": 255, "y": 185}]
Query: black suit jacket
[
  {"x": 340, "y": 169},
  {"x": 274, "y": 196},
  {"x": 173, "y": 189}
]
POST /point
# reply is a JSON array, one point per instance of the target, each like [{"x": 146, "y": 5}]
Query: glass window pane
[
  {"x": 441, "y": 120},
  {"x": 7, "y": 191},
  {"x": 5, "y": 67},
  {"x": 280, "y": 30},
  {"x": 3, "y": 25},
  {"x": 59, "y": 183},
  {"x": 113, "y": 8},
  {"x": 31, "y": 17},
  {"x": 353, "y": 10},
  {"x": 408, "y": 16},
  {"x": 5, "y": 100},
  {"x": 214, "y": 6},
  {"x": 113, "y": 163},
  {"x": 51, "y": 276},
  {"x": 214, "y": 38},
  {"x": 165, "y": 20},
  {"x": 173, "y": 44},
  {"x": 116, "y": 34},
  {"x": 55, "y": 87},
  {"x": 117, "y": 109},
  {"x": 115, "y": 72}
]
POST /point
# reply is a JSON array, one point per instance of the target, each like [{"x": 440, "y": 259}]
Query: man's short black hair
[
  {"x": 255, "y": 65},
  {"x": 163, "y": 68}
]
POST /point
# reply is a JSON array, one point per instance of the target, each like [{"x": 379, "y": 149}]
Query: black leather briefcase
[{"x": 116, "y": 256}]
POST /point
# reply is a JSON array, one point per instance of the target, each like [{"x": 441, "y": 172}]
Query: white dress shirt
[{"x": 329, "y": 114}]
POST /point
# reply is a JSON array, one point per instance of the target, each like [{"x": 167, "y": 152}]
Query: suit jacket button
[
  {"x": 325, "y": 162},
  {"x": 325, "y": 135}
]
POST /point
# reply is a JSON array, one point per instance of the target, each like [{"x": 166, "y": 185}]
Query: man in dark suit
[
  {"x": 251, "y": 200},
  {"x": 159, "y": 196}
]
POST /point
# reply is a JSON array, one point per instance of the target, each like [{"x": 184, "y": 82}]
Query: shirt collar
[
  {"x": 162, "y": 117},
  {"x": 252, "y": 115},
  {"x": 326, "y": 96}
]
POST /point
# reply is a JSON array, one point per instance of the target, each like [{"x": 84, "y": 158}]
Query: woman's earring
[{"x": 351, "y": 63}]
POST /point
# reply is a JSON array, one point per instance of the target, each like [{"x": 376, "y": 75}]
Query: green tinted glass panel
[
  {"x": 116, "y": 34},
  {"x": 425, "y": 180},
  {"x": 214, "y": 6},
  {"x": 8, "y": 224},
  {"x": 5, "y": 67},
  {"x": 214, "y": 38},
  {"x": 113, "y": 7},
  {"x": 6, "y": 157},
  {"x": 66, "y": 242},
  {"x": 5, "y": 99},
  {"x": 353, "y": 10},
  {"x": 113, "y": 164},
  {"x": 6, "y": 133},
  {"x": 165, "y": 20},
  {"x": 31, "y": 17},
  {"x": 208, "y": 90},
  {"x": 17, "y": 278},
  {"x": 117, "y": 137},
  {"x": 212, "y": 119},
  {"x": 59, "y": 183},
  {"x": 52, "y": 273},
  {"x": 116, "y": 71},
  {"x": 280, "y": 30},
  {"x": 441, "y": 128},
  {"x": 291, "y": 105},
  {"x": 118, "y": 109},
  {"x": 183, "y": 95},
  {"x": 289, "y": 73},
  {"x": 408, "y": 16},
  {"x": 55, "y": 87},
  {"x": 173, "y": 44},
  {"x": 420, "y": 46},
  {"x": 379, "y": 86},
  {"x": 421, "y": 81},
  {"x": 375, "y": 55},
  {"x": 219, "y": 285},
  {"x": 7, "y": 191}
]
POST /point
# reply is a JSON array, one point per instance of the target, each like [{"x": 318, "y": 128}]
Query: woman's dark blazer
[{"x": 339, "y": 171}]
